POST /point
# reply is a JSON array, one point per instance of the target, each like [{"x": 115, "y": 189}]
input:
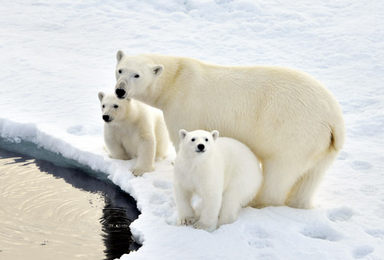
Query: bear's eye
[
  {"x": 120, "y": 71},
  {"x": 206, "y": 139},
  {"x": 137, "y": 76},
  {"x": 193, "y": 139},
  {"x": 103, "y": 106},
  {"x": 115, "y": 106}
]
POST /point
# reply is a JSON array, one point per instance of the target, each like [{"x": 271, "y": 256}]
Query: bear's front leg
[
  {"x": 145, "y": 155},
  {"x": 210, "y": 211},
  {"x": 185, "y": 212}
]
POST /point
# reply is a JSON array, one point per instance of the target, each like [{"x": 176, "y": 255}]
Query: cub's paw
[
  {"x": 138, "y": 171},
  {"x": 186, "y": 221},
  {"x": 206, "y": 227}
]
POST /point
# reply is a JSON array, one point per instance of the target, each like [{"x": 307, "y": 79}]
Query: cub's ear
[
  {"x": 101, "y": 95},
  {"x": 182, "y": 134},
  {"x": 158, "y": 70},
  {"x": 119, "y": 55},
  {"x": 215, "y": 134}
]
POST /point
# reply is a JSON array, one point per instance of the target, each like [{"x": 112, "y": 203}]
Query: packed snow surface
[{"x": 57, "y": 55}]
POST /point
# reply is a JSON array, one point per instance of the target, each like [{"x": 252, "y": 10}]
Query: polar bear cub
[
  {"x": 223, "y": 172},
  {"x": 134, "y": 130}
]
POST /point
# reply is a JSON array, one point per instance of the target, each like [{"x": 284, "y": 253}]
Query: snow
[{"x": 57, "y": 55}]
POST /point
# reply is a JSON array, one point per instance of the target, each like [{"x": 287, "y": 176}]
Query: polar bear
[
  {"x": 133, "y": 129},
  {"x": 292, "y": 123},
  {"x": 223, "y": 172}
]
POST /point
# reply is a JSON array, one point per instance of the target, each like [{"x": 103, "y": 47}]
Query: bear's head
[
  {"x": 113, "y": 109},
  {"x": 197, "y": 143},
  {"x": 135, "y": 75}
]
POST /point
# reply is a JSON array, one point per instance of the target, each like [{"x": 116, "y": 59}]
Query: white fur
[
  {"x": 292, "y": 123},
  {"x": 135, "y": 130},
  {"x": 225, "y": 174}
]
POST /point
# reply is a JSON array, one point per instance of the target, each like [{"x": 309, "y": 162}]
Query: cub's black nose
[
  {"x": 106, "y": 118},
  {"x": 120, "y": 93},
  {"x": 200, "y": 147}
]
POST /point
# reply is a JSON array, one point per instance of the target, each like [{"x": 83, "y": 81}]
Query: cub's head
[
  {"x": 197, "y": 143},
  {"x": 113, "y": 109},
  {"x": 135, "y": 75}
]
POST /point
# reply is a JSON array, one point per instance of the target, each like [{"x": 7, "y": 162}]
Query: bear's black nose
[
  {"x": 106, "y": 118},
  {"x": 200, "y": 147},
  {"x": 120, "y": 93}
]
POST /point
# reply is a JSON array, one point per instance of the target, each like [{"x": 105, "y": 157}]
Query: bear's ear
[
  {"x": 119, "y": 55},
  {"x": 158, "y": 70},
  {"x": 101, "y": 95},
  {"x": 182, "y": 134},
  {"x": 215, "y": 134}
]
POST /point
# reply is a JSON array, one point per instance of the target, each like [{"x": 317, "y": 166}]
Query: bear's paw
[
  {"x": 139, "y": 171},
  {"x": 186, "y": 221},
  {"x": 204, "y": 226}
]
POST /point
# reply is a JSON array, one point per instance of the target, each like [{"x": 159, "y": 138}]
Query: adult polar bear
[{"x": 290, "y": 121}]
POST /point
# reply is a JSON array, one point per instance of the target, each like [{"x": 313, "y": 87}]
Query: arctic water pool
[{"x": 51, "y": 212}]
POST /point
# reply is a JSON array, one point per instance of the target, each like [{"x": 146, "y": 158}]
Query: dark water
[{"x": 51, "y": 212}]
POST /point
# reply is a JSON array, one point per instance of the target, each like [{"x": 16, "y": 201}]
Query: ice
[{"x": 57, "y": 55}]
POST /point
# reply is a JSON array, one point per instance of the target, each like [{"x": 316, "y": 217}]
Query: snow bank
[{"x": 56, "y": 57}]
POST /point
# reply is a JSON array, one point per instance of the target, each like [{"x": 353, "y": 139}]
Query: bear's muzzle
[
  {"x": 107, "y": 118},
  {"x": 200, "y": 148},
  {"x": 120, "y": 90},
  {"x": 120, "y": 93}
]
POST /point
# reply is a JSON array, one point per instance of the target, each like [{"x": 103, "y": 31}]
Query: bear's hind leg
[
  {"x": 303, "y": 192},
  {"x": 279, "y": 178},
  {"x": 117, "y": 151}
]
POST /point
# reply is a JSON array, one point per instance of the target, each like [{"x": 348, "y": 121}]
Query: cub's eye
[
  {"x": 115, "y": 106},
  {"x": 137, "y": 76},
  {"x": 206, "y": 139},
  {"x": 103, "y": 106},
  {"x": 193, "y": 139},
  {"x": 120, "y": 71}
]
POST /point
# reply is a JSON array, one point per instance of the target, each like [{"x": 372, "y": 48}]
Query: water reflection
[
  {"x": 116, "y": 232},
  {"x": 55, "y": 213}
]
